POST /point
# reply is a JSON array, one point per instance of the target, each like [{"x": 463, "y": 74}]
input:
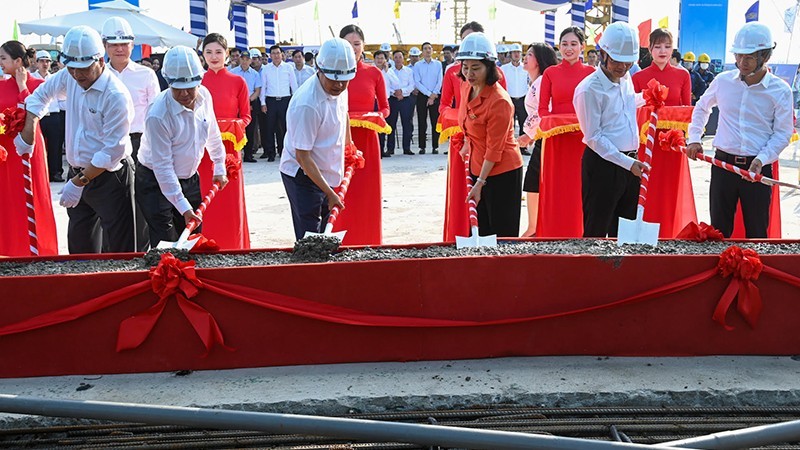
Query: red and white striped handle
[
  {"x": 28, "y": 185},
  {"x": 202, "y": 208},
  {"x": 341, "y": 191},
  {"x": 472, "y": 205},
  {"x": 648, "y": 155},
  {"x": 752, "y": 176}
]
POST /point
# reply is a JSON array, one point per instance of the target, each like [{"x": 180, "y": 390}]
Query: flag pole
[{"x": 791, "y": 35}]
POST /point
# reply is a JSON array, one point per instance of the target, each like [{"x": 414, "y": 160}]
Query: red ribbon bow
[
  {"x": 13, "y": 119},
  {"x": 700, "y": 233},
  {"x": 656, "y": 94},
  {"x": 233, "y": 165},
  {"x": 353, "y": 157},
  {"x": 744, "y": 265},
  {"x": 672, "y": 140},
  {"x": 171, "y": 277},
  {"x": 457, "y": 142}
]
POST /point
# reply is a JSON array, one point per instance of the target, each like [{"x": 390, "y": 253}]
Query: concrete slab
[{"x": 378, "y": 387}]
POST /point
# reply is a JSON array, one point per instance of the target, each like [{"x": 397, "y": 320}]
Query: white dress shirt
[
  {"x": 607, "y": 114},
  {"x": 391, "y": 81},
  {"x": 532, "y": 108},
  {"x": 428, "y": 76},
  {"x": 319, "y": 125},
  {"x": 54, "y": 106},
  {"x": 516, "y": 79},
  {"x": 98, "y": 119},
  {"x": 175, "y": 139},
  {"x": 277, "y": 81},
  {"x": 406, "y": 78},
  {"x": 303, "y": 74},
  {"x": 142, "y": 83},
  {"x": 753, "y": 120}
]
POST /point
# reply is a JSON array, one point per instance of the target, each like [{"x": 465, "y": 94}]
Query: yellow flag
[
  {"x": 397, "y": 9},
  {"x": 664, "y": 23}
]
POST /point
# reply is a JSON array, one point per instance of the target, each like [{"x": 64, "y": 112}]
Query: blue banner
[
  {"x": 703, "y": 27},
  {"x": 752, "y": 13}
]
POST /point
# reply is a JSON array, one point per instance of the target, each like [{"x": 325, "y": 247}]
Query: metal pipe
[
  {"x": 422, "y": 434},
  {"x": 743, "y": 438}
]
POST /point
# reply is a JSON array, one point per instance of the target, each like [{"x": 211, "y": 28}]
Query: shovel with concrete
[
  {"x": 184, "y": 243},
  {"x": 638, "y": 231},
  {"x": 475, "y": 239}
]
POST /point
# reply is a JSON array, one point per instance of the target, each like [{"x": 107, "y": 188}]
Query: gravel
[{"x": 322, "y": 249}]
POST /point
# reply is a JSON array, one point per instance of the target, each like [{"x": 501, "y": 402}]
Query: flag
[
  {"x": 788, "y": 19},
  {"x": 664, "y": 23},
  {"x": 397, "y": 9},
  {"x": 438, "y": 10},
  {"x": 752, "y": 13},
  {"x": 15, "y": 33},
  {"x": 588, "y": 5},
  {"x": 316, "y": 10},
  {"x": 492, "y": 11},
  {"x": 644, "y": 33},
  {"x": 355, "y": 9}
]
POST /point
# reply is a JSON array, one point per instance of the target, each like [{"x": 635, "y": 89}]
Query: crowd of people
[{"x": 144, "y": 141}]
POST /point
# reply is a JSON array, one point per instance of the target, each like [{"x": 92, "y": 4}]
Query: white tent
[
  {"x": 146, "y": 29},
  {"x": 538, "y": 5}
]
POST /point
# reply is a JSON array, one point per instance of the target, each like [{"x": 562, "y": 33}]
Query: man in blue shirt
[{"x": 428, "y": 75}]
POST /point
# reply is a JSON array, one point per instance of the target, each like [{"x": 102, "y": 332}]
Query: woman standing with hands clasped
[
  {"x": 15, "y": 60},
  {"x": 486, "y": 114}
]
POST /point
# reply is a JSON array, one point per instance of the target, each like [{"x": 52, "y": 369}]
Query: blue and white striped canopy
[{"x": 538, "y": 5}]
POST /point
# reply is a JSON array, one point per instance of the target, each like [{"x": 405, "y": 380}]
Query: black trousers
[
  {"x": 261, "y": 120},
  {"x": 520, "y": 113},
  {"x": 103, "y": 219},
  {"x": 727, "y": 189},
  {"x": 308, "y": 204},
  {"x": 136, "y": 142},
  {"x": 499, "y": 208},
  {"x": 53, "y": 128},
  {"x": 609, "y": 192},
  {"x": 163, "y": 220},
  {"x": 405, "y": 110},
  {"x": 534, "y": 171},
  {"x": 424, "y": 112},
  {"x": 250, "y": 130},
  {"x": 276, "y": 125}
]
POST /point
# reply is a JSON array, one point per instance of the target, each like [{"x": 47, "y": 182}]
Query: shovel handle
[
  {"x": 648, "y": 155},
  {"x": 472, "y": 205},
  {"x": 202, "y": 208},
  {"x": 341, "y": 191},
  {"x": 33, "y": 239}
]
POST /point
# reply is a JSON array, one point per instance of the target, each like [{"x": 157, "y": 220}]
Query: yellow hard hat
[
  {"x": 704, "y": 58},
  {"x": 688, "y": 57}
]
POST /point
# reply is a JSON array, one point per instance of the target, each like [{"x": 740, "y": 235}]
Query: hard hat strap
[
  {"x": 68, "y": 59},
  {"x": 170, "y": 81}
]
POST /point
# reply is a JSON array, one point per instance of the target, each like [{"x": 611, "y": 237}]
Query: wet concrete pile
[{"x": 326, "y": 249}]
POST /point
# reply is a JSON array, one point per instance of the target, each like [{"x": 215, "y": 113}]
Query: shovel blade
[
  {"x": 637, "y": 231},
  {"x": 180, "y": 245},
  {"x": 476, "y": 240}
]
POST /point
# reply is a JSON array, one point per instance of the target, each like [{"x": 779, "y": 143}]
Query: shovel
[
  {"x": 341, "y": 191},
  {"x": 638, "y": 231},
  {"x": 184, "y": 243},
  {"x": 475, "y": 239},
  {"x": 33, "y": 239}
]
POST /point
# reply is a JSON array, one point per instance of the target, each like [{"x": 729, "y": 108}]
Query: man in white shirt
[
  {"x": 401, "y": 104},
  {"x": 98, "y": 194},
  {"x": 181, "y": 126},
  {"x": 141, "y": 81},
  {"x": 428, "y": 81},
  {"x": 517, "y": 86},
  {"x": 392, "y": 87},
  {"x": 279, "y": 83},
  {"x": 313, "y": 164},
  {"x": 301, "y": 71},
  {"x": 52, "y": 123},
  {"x": 254, "y": 82},
  {"x": 755, "y": 125},
  {"x": 605, "y": 104}
]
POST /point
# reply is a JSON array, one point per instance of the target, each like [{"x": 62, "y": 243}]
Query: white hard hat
[
  {"x": 414, "y": 51},
  {"x": 501, "y": 48},
  {"x": 82, "y": 47},
  {"x": 386, "y": 47},
  {"x": 117, "y": 30},
  {"x": 181, "y": 68},
  {"x": 515, "y": 48},
  {"x": 337, "y": 60},
  {"x": 476, "y": 46},
  {"x": 255, "y": 53},
  {"x": 621, "y": 42},
  {"x": 752, "y": 37},
  {"x": 43, "y": 54}
]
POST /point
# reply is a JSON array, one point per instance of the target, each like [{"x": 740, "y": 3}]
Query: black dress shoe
[
  {"x": 271, "y": 159},
  {"x": 408, "y": 152},
  {"x": 421, "y": 151},
  {"x": 57, "y": 179},
  {"x": 263, "y": 156},
  {"x": 525, "y": 152},
  {"x": 386, "y": 155},
  {"x": 250, "y": 160},
  {"x": 434, "y": 152}
]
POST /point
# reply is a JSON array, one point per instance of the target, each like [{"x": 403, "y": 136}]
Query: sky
[{"x": 415, "y": 25}]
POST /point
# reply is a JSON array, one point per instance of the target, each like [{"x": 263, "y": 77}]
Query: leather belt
[
  {"x": 277, "y": 99},
  {"x": 737, "y": 160},
  {"x": 632, "y": 153}
]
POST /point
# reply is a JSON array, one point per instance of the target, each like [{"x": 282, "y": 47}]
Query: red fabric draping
[
  {"x": 560, "y": 198},
  {"x": 3, "y": 154},
  {"x": 203, "y": 245},
  {"x": 774, "y": 231},
  {"x": 456, "y": 216},
  {"x": 372, "y": 120},
  {"x": 555, "y": 124},
  {"x": 700, "y": 233}
]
